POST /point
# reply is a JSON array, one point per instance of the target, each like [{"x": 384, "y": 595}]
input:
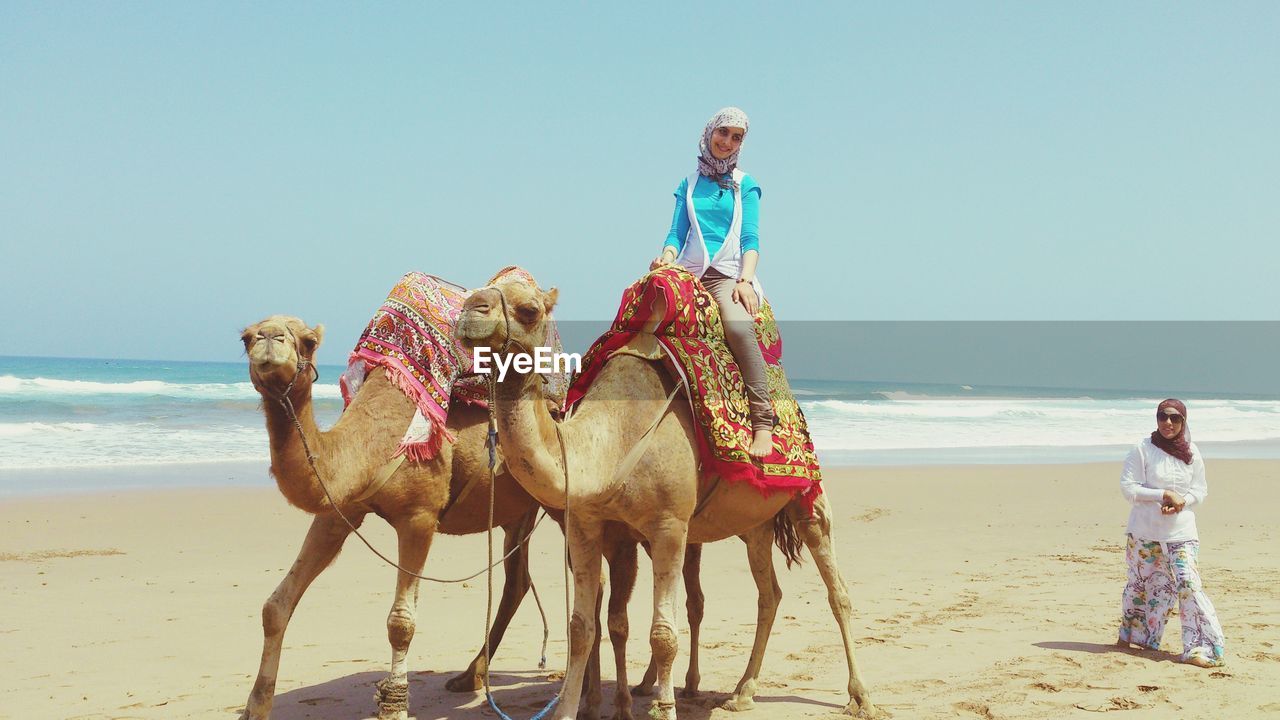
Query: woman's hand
[
  {"x": 1172, "y": 503},
  {"x": 666, "y": 258},
  {"x": 745, "y": 295}
]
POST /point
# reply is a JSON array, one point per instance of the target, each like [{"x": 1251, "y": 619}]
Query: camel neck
[
  {"x": 347, "y": 455},
  {"x": 527, "y": 436},
  {"x": 289, "y": 466}
]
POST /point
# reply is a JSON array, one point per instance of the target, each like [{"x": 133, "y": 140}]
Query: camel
[
  {"x": 415, "y": 500},
  {"x": 571, "y": 465},
  {"x": 349, "y": 455}
]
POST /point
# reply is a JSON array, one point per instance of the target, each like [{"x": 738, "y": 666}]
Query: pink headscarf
[{"x": 1180, "y": 445}]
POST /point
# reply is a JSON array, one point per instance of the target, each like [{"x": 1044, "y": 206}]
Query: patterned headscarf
[
  {"x": 710, "y": 165},
  {"x": 1180, "y": 445}
]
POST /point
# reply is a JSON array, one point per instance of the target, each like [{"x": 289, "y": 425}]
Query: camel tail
[{"x": 787, "y": 539}]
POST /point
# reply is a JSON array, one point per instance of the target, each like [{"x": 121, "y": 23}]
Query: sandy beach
[{"x": 979, "y": 591}]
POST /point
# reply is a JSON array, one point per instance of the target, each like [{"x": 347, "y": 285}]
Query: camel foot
[
  {"x": 687, "y": 692},
  {"x": 866, "y": 710},
  {"x": 256, "y": 708},
  {"x": 465, "y": 681},
  {"x": 469, "y": 680},
  {"x": 392, "y": 696},
  {"x": 644, "y": 689},
  {"x": 588, "y": 713},
  {"x": 623, "y": 713},
  {"x": 662, "y": 711},
  {"x": 738, "y": 704},
  {"x": 761, "y": 444}
]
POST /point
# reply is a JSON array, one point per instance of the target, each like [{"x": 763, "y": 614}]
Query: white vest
[{"x": 728, "y": 260}]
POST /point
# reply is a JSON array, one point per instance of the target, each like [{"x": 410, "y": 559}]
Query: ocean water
[
  {"x": 85, "y": 413},
  {"x": 77, "y": 413}
]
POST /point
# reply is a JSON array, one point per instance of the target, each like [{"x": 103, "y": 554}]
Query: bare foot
[{"x": 761, "y": 444}]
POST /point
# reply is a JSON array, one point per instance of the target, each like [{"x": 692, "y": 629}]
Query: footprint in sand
[
  {"x": 1263, "y": 656},
  {"x": 976, "y": 708},
  {"x": 1047, "y": 687},
  {"x": 870, "y": 515}
]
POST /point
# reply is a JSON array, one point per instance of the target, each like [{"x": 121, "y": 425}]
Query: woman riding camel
[{"x": 714, "y": 235}]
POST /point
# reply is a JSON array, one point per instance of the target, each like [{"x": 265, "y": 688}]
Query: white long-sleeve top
[{"x": 1148, "y": 472}]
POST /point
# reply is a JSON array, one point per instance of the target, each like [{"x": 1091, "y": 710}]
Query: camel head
[
  {"x": 275, "y": 348},
  {"x": 482, "y": 323}
]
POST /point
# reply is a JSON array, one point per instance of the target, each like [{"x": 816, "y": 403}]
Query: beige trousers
[{"x": 740, "y": 333}]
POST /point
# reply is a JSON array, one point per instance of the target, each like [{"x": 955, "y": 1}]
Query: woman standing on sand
[
  {"x": 1163, "y": 479},
  {"x": 714, "y": 235}
]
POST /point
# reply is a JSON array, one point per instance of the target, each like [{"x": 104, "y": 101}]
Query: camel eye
[{"x": 527, "y": 313}]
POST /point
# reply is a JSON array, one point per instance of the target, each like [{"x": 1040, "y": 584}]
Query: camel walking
[
  {"x": 572, "y": 465},
  {"x": 415, "y": 500}
]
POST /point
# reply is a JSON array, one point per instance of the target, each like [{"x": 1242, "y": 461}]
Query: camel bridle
[{"x": 302, "y": 364}]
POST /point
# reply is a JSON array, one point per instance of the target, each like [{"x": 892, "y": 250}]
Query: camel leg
[
  {"x": 622, "y": 580},
  {"x": 584, "y": 552},
  {"x": 645, "y": 687},
  {"x": 817, "y": 534},
  {"x": 324, "y": 540},
  {"x": 693, "y": 586},
  {"x": 413, "y": 535},
  {"x": 514, "y": 587},
  {"x": 591, "y": 694},
  {"x": 667, "y": 544},
  {"x": 759, "y": 542},
  {"x": 694, "y": 604}
]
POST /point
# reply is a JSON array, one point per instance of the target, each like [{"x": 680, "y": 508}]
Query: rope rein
[
  {"x": 399, "y": 696},
  {"x": 491, "y": 386},
  {"x": 287, "y": 403}
]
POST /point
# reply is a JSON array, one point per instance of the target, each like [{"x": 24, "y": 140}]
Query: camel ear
[
  {"x": 246, "y": 337},
  {"x": 311, "y": 338},
  {"x": 549, "y": 299}
]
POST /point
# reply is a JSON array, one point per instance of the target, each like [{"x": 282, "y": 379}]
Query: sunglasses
[{"x": 1175, "y": 419}]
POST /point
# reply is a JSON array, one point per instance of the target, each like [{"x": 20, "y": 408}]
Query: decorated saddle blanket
[
  {"x": 411, "y": 338},
  {"x": 691, "y": 336}
]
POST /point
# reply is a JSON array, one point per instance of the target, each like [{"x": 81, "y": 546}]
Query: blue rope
[
  {"x": 493, "y": 461},
  {"x": 541, "y": 713}
]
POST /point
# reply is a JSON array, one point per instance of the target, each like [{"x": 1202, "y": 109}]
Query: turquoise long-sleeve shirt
[{"x": 714, "y": 207}]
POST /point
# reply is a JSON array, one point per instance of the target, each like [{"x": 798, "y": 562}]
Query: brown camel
[
  {"x": 383, "y": 415},
  {"x": 414, "y": 501},
  {"x": 656, "y": 499}
]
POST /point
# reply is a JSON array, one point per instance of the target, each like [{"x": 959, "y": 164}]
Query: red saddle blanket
[{"x": 692, "y": 338}]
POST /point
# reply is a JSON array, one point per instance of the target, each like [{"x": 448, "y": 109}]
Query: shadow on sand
[
  {"x": 1103, "y": 648},
  {"x": 352, "y": 697},
  {"x": 520, "y": 695}
]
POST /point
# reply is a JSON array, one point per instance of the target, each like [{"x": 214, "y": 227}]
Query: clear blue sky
[{"x": 170, "y": 172}]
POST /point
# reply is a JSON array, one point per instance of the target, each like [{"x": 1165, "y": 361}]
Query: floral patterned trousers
[{"x": 1163, "y": 576}]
